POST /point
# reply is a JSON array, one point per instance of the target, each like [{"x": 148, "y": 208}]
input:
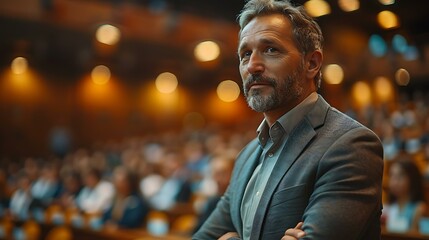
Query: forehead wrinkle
[{"x": 265, "y": 37}]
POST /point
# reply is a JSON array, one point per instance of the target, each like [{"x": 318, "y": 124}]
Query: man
[{"x": 312, "y": 172}]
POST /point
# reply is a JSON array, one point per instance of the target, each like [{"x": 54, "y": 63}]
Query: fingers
[
  {"x": 299, "y": 225},
  {"x": 294, "y": 233},
  {"x": 226, "y": 236}
]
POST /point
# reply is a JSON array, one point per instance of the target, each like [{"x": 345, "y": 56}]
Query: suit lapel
[
  {"x": 296, "y": 143},
  {"x": 250, "y": 158}
]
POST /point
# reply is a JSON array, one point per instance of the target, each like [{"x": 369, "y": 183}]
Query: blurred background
[{"x": 149, "y": 91}]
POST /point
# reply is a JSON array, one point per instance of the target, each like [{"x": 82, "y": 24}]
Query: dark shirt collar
[{"x": 286, "y": 123}]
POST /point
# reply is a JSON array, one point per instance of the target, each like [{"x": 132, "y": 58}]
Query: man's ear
[{"x": 313, "y": 63}]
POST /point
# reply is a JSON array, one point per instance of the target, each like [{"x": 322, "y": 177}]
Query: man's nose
[{"x": 256, "y": 64}]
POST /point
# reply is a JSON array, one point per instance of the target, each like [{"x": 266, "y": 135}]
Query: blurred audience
[
  {"x": 96, "y": 195},
  {"x": 221, "y": 171},
  {"x": 128, "y": 209},
  {"x": 175, "y": 187},
  {"x": 5, "y": 193},
  {"x": 46, "y": 188},
  {"x": 122, "y": 180},
  {"x": 21, "y": 199},
  {"x": 406, "y": 199},
  {"x": 72, "y": 185}
]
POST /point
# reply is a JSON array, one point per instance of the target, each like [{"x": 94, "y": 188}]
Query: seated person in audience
[
  {"x": 128, "y": 209},
  {"x": 97, "y": 195},
  {"x": 21, "y": 199},
  {"x": 32, "y": 169},
  {"x": 46, "y": 188},
  {"x": 406, "y": 199},
  {"x": 176, "y": 187},
  {"x": 221, "y": 170},
  {"x": 4, "y": 193},
  {"x": 72, "y": 185}
]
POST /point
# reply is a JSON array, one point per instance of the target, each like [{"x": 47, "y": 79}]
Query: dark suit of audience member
[
  {"x": 176, "y": 187},
  {"x": 221, "y": 170},
  {"x": 128, "y": 209}
]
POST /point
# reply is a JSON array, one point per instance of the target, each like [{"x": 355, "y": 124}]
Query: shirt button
[
  {"x": 270, "y": 154},
  {"x": 257, "y": 193}
]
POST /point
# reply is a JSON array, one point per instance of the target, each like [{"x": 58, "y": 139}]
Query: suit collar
[{"x": 316, "y": 117}]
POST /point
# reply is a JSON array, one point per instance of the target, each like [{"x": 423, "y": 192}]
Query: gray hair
[{"x": 306, "y": 32}]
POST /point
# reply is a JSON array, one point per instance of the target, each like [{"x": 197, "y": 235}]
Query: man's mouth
[{"x": 259, "y": 85}]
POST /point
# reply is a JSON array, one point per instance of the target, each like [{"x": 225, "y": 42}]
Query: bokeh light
[
  {"x": 100, "y": 75},
  {"x": 166, "y": 82},
  {"x": 228, "y": 91},
  {"x": 377, "y": 45},
  {"x": 333, "y": 74},
  {"x": 349, "y": 5},
  {"x": 317, "y": 8},
  {"x": 108, "y": 34},
  {"x": 387, "y": 19},
  {"x": 207, "y": 51},
  {"x": 402, "y": 77},
  {"x": 383, "y": 88},
  {"x": 399, "y": 43},
  {"x": 19, "y": 65},
  {"x": 411, "y": 53},
  {"x": 387, "y": 2},
  {"x": 361, "y": 93}
]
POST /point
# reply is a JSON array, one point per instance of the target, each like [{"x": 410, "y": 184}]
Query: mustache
[{"x": 255, "y": 79}]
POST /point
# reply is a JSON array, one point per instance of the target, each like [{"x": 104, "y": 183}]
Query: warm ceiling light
[
  {"x": 333, "y": 74},
  {"x": 402, "y": 77},
  {"x": 361, "y": 93},
  {"x": 383, "y": 88},
  {"x": 317, "y": 8},
  {"x": 19, "y": 65},
  {"x": 207, "y": 51},
  {"x": 108, "y": 34},
  {"x": 387, "y": 20},
  {"x": 100, "y": 75},
  {"x": 228, "y": 91},
  {"x": 166, "y": 82},
  {"x": 349, "y": 5},
  {"x": 387, "y": 2}
]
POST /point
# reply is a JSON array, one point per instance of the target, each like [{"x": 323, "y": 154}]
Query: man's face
[{"x": 271, "y": 65}]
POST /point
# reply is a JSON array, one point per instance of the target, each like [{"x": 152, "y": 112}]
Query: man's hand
[
  {"x": 294, "y": 233},
  {"x": 229, "y": 235}
]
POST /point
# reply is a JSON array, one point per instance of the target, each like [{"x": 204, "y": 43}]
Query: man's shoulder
[{"x": 339, "y": 120}]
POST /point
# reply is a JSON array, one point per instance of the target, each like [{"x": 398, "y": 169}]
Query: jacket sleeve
[
  {"x": 219, "y": 221},
  {"x": 346, "y": 201}
]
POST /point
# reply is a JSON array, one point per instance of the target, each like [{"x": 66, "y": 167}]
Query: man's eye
[
  {"x": 271, "y": 50},
  {"x": 246, "y": 55}
]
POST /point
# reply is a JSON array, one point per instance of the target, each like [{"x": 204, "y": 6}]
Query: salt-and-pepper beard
[{"x": 285, "y": 91}]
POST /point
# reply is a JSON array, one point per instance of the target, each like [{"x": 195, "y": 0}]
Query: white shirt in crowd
[{"x": 96, "y": 200}]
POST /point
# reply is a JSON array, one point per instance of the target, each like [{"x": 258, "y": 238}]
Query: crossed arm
[{"x": 290, "y": 234}]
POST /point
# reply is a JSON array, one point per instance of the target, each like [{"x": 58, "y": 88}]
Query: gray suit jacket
[{"x": 328, "y": 176}]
